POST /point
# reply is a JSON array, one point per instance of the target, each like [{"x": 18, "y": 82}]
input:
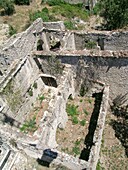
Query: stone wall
[
  {"x": 97, "y": 138},
  {"x": 70, "y": 40},
  {"x": 19, "y": 46},
  {"x": 108, "y": 67},
  {"x": 15, "y": 90}
]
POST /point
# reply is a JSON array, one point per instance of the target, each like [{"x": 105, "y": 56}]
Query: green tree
[
  {"x": 8, "y": 6},
  {"x": 115, "y": 13}
]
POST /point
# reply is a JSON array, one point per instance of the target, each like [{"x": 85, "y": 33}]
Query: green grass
[
  {"x": 29, "y": 126},
  {"x": 35, "y": 85},
  {"x": 82, "y": 122},
  {"x": 30, "y": 92},
  {"x": 90, "y": 44},
  {"x": 41, "y": 98},
  {"x": 75, "y": 120},
  {"x": 12, "y": 30},
  {"x": 72, "y": 110},
  {"x": 76, "y": 150},
  {"x": 44, "y": 14},
  {"x": 69, "y": 25},
  {"x": 86, "y": 112}
]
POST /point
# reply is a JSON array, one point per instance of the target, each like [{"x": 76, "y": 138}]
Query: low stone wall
[{"x": 97, "y": 138}]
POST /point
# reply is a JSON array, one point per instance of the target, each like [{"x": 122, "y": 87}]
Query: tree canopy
[{"x": 115, "y": 13}]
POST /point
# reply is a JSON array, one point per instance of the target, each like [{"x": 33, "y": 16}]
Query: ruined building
[{"x": 47, "y": 58}]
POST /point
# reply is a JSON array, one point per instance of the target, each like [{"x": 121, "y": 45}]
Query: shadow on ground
[
  {"x": 92, "y": 127},
  {"x": 121, "y": 125}
]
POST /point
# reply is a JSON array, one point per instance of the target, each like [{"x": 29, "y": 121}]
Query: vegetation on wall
[{"x": 13, "y": 96}]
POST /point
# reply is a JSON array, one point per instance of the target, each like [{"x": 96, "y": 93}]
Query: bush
[
  {"x": 72, "y": 110},
  {"x": 75, "y": 120},
  {"x": 69, "y": 25},
  {"x": 82, "y": 122},
  {"x": 22, "y": 2},
  {"x": 44, "y": 14},
  {"x": 12, "y": 30},
  {"x": 90, "y": 44},
  {"x": 8, "y": 7},
  {"x": 54, "y": 2},
  {"x": 115, "y": 13}
]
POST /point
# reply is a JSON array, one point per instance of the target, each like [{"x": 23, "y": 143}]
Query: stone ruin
[{"x": 58, "y": 62}]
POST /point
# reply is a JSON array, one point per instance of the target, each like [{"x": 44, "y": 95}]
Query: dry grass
[{"x": 20, "y": 19}]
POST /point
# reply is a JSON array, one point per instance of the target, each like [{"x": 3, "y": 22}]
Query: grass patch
[
  {"x": 29, "y": 126},
  {"x": 75, "y": 120},
  {"x": 30, "y": 92},
  {"x": 12, "y": 95},
  {"x": 86, "y": 112},
  {"x": 12, "y": 30},
  {"x": 69, "y": 25},
  {"x": 76, "y": 150},
  {"x": 41, "y": 98},
  {"x": 35, "y": 85},
  {"x": 72, "y": 110},
  {"x": 44, "y": 14},
  {"x": 82, "y": 122},
  {"x": 90, "y": 44}
]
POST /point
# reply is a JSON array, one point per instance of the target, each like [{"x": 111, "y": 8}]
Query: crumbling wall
[
  {"x": 16, "y": 87},
  {"x": 108, "y": 67},
  {"x": 19, "y": 46},
  {"x": 105, "y": 40},
  {"x": 56, "y": 115}
]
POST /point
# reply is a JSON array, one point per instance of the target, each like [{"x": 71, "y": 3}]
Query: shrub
[
  {"x": 69, "y": 25},
  {"x": 76, "y": 150},
  {"x": 75, "y": 120},
  {"x": 54, "y": 2},
  {"x": 44, "y": 14},
  {"x": 35, "y": 85},
  {"x": 86, "y": 112},
  {"x": 115, "y": 13},
  {"x": 22, "y": 2},
  {"x": 12, "y": 30},
  {"x": 30, "y": 92},
  {"x": 72, "y": 110},
  {"x": 82, "y": 122},
  {"x": 8, "y": 7},
  {"x": 41, "y": 98},
  {"x": 97, "y": 9},
  {"x": 82, "y": 91},
  {"x": 90, "y": 44}
]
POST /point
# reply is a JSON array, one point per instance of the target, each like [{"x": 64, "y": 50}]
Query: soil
[
  {"x": 112, "y": 154},
  {"x": 71, "y": 139}
]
